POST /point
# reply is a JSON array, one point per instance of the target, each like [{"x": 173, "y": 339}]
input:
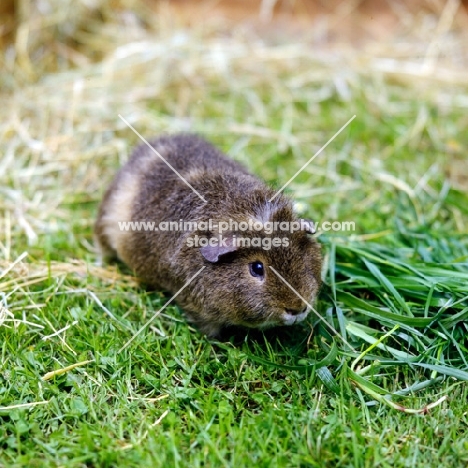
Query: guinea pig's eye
[{"x": 256, "y": 269}]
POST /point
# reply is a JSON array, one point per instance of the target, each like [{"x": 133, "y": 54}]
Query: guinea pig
[{"x": 257, "y": 277}]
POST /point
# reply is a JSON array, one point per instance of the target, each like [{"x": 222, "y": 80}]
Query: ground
[{"x": 270, "y": 88}]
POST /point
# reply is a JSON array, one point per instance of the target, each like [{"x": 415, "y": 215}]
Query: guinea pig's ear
[
  {"x": 308, "y": 226},
  {"x": 217, "y": 247}
]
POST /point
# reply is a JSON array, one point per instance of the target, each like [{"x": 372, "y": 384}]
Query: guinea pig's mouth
[
  {"x": 290, "y": 319},
  {"x": 283, "y": 318}
]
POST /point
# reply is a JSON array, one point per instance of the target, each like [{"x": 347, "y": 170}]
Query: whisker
[{"x": 311, "y": 308}]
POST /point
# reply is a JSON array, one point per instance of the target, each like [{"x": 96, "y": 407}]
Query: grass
[{"x": 396, "y": 289}]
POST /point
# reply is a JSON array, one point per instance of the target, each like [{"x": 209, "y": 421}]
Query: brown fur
[{"x": 224, "y": 293}]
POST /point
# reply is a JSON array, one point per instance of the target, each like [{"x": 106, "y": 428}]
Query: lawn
[{"x": 388, "y": 388}]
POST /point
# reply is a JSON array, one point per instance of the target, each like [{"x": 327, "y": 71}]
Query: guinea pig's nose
[{"x": 296, "y": 311}]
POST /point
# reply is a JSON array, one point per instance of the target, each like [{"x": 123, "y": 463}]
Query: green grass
[{"x": 393, "y": 394}]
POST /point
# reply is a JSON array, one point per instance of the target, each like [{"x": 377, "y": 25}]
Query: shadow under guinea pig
[{"x": 291, "y": 338}]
